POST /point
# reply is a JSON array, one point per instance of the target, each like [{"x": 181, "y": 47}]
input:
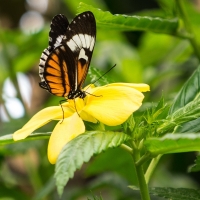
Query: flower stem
[
  {"x": 141, "y": 178},
  {"x": 188, "y": 27}
]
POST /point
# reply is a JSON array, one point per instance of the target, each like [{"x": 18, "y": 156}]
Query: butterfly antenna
[
  {"x": 93, "y": 94},
  {"x": 100, "y": 78},
  {"x": 104, "y": 73}
]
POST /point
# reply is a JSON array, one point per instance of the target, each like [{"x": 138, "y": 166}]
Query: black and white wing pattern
[
  {"x": 58, "y": 30},
  {"x": 64, "y": 64}
]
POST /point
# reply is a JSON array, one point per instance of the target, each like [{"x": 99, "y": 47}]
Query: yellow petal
[
  {"x": 112, "y": 105},
  {"x": 40, "y": 119},
  {"x": 70, "y": 128},
  {"x": 142, "y": 87},
  {"x": 87, "y": 117},
  {"x": 77, "y": 105}
]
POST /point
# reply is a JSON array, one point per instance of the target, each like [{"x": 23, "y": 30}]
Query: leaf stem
[
  {"x": 8, "y": 139},
  {"x": 188, "y": 27},
  {"x": 151, "y": 168},
  {"x": 127, "y": 148},
  {"x": 143, "y": 159},
  {"x": 141, "y": 178}
]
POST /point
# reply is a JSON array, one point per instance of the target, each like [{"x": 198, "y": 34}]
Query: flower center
[{"x": 76, "y": 104}]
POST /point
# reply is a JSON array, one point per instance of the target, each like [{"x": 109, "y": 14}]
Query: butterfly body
[{"x": 65, "y": 62}]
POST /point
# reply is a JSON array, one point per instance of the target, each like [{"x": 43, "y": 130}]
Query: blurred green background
[{"x": 162, "y": 61}]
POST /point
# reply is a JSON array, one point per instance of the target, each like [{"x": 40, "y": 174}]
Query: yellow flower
[{"x": 111, "y": 104}]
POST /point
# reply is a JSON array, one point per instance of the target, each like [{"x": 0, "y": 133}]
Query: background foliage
[{"x": 148, "y": 51}]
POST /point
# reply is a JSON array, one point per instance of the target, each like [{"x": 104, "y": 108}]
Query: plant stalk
[
  {"x": 143, "y": 159},
  {"x": 144, "y": 191}
]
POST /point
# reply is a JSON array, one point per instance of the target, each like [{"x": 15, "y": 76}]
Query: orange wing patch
[
  {"x": 54, "y": 62},
  {"x": 66, "y": 79},
  {"x": 82, "y": 72},
  {"x": 53, "y": 71},
  {"x": 54, "y": 79},
  {"x": 55, "y": 58},
  {"x": 57, "y": 76},
  {"x": 59, "y": 90}
]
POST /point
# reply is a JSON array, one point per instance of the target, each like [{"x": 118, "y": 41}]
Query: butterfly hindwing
[
  {"x": 58, "y": 78},
  {"x": 64, "y": 64},
  {"x": 58, "y": 29}
]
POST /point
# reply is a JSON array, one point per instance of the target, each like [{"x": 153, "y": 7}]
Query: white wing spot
[
  {"x": 82, "y": 55},
  {"x": 77, "y": 41},
  {"x": 42, "y": 62},
  {"x": 87, "y": 39},
  {"x": 72, "y": 45},
  {"x": 63, "y": 48},
  {"x": 41, "y": 71},
  {"x": 81, "y": 41},
  {"x": 44, "y": 56},
  {"x": 92, "y": 43},
  {"x": 58, "y": 40},
  {"x": 82, "y": 38},
  {"x": 46, "y": 51}
]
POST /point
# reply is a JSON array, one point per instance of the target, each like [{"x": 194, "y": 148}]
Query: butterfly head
[{"x": 74, "y": 94}]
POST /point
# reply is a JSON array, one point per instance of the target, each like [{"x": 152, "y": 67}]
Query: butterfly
[{"x": 65, "y": 62}]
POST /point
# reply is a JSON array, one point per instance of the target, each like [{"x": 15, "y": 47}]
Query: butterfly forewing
[
  {"x": 81, "y": 40},
  {"x": 58, "y": 30},
  {"x": 64, "y": 64}
]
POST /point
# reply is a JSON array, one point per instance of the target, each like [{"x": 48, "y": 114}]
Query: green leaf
[
  {"x": 100, "y": 165},
  {"x": 189, "y": 127},
  {"x": 189, "y": 92},
  {"x": 157, "y": 112},
  {"x": 130, "y": 23},
  {"x": 129, "y": 125},
  {"x": 72, "y": 5},
  {"x": 190, "y": 112},
  {"x": 80, "y": 150},
  {"x": 173, "y": 143},
  {"x": 196, "y": 166},
  {"x": 176, "y": 193}
]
